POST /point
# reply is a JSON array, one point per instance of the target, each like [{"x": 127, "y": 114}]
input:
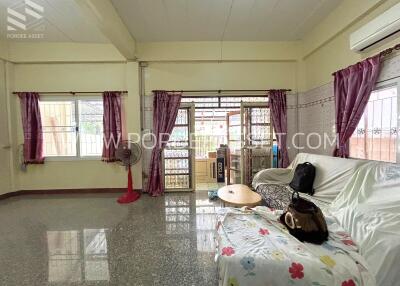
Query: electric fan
[{"x": 128, "y": 154}]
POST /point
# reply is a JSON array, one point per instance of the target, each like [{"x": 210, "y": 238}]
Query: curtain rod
[
  {"x": 224, "y": 95},
  {"x": 222, "y": 90},
  {"x": 71, "y": 92},
  {"x": 390, "y": 50},
  {"x": 384, "y": 53}
]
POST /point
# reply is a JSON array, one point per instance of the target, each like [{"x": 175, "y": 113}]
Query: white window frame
[
  {"x": 75, "y": 99},
  {"x": 395, "y": 82}
]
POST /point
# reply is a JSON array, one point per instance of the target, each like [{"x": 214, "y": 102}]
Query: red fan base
[{"x": 130, "y": 196}]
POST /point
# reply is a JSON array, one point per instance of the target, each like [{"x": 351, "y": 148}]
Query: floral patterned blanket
[{"x": 254, "y": 248}]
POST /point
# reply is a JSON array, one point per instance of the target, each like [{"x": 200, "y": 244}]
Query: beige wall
[
  {"x": 3, "y": 50},
  {"x": 34, "y": 52},
  {"x": 192, "y": 65},
  {"x": 77, "y": 77},
  {"x": 216, "y": 75},
  {"x": 326, "y": 49},
  {"x": 346, "y": 14},
  {"x": 218, "y": 51},
  {"x": 5, "y": 142},
  {"x": 62, "y": 73},
  {"x": 220, "y": 75}
]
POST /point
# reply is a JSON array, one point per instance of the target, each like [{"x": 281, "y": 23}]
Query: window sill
[{"x": 66, "y": 158}]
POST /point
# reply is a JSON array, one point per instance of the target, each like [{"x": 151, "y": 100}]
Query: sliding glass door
[{"x": 178, "y": 156}]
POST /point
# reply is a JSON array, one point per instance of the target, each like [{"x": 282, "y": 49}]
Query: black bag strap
[
  {"x": 295, "y": 196},
  {"x": 309, "y": 206}
]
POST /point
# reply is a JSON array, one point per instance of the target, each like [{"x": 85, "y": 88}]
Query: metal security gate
[
  {"x": 257, "y": 140},
  {"x": 233, "y": 122},
  {"x": 178, "y": 155}
]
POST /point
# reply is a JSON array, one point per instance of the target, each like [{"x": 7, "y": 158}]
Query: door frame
[
  {"x": 228, "y": 155},
  {"x": 191, "y": 149},
  {"x": 244, "y": 145}
]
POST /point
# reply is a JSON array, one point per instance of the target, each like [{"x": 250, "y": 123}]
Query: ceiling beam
[{"x": 106, "y": 18}]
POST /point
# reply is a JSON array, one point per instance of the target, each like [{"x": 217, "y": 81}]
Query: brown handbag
[{"x": 305, "y": 220}]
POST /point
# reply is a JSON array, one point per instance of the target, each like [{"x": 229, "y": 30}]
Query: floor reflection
[
  {"x": 92, "y": 240},
  {"x": 78, "y": 255},
  {"x": 64, "y": 256},
  {"x": 205, "y": 224},
  {"x": 96, "y": 259},
  {"x": 177, "y": 214}
]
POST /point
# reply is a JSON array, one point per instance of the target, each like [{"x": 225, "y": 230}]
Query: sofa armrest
[{"x": 273, "y": 176}]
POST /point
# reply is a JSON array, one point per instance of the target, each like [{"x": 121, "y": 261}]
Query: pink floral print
[
  {"x": 296, "y": 271},
  {"x": 228, "y": 251},
  {"x": 348, "y": 242},
  {"x": 349, "y": 283}
]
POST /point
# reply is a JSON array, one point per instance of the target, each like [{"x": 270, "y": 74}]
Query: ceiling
[
  {"x": 62, "y": 21},
  {"x": 217, "y": 20},
  {"x": 179, "y": 20}
]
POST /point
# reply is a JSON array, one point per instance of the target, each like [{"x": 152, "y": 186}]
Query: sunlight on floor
[{"x": 209, "y": 186}]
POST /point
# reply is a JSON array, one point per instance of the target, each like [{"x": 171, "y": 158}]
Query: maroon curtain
[
  {"x": 32, "y": 126},
  {"x": 277, "y": 101},
  {"x": 165, "y": 110},
  {"x": 112, "y": 124},
  {"x": 353, "y": 87}
]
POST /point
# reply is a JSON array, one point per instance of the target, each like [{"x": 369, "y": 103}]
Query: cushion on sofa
[{"x": 275, "y": 196}]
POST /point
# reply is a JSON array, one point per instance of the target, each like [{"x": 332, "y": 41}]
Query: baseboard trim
[{"x": 64, "y": 192}]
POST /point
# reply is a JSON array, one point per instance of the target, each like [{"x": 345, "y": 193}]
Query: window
[
  {"x": 375, "y": 137},
  {"x": 91, "y": 127},
  {"x": 72, "y": 128}
]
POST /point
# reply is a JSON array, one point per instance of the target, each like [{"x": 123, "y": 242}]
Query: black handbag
[
  {"x": 305, "y": 220},
  {"x": 303, "y": 178}
]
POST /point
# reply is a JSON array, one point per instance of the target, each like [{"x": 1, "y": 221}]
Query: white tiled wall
[
  {"x": 317, "y": 120},
  {"x": 390, "y": 68},
  {"x": 293, "y": 123}
]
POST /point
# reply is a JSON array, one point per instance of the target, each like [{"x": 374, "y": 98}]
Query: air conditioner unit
[{"x": 380, "y": 28}]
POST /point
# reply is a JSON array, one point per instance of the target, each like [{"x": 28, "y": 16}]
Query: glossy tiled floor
[{"x": 91, "y": 240}]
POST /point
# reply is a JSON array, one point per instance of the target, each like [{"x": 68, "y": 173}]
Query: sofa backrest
[
  {"x": 332, "y": 173},
  {"x": 368, "y": 208}
]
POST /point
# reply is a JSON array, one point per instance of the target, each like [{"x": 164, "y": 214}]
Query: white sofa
[
  {"x": 361, "y": 201},
  {"x": 331, "y": 174},
  {"x": 368, "y": 208}
]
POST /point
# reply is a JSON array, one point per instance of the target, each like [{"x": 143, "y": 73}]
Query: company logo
[{"x": 25, "y": 20}]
